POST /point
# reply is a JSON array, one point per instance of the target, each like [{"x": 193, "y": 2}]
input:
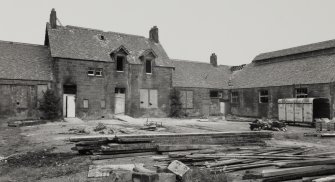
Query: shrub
[
  {"x": 176, "y": 105},
  {"x": 50, "y": 105}
]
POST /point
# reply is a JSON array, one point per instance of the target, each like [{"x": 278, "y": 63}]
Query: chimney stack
[
  {"x": 213, "y": 60},
  {"x": 153, "y": 34},
  {"x": 53, "y": 18}
]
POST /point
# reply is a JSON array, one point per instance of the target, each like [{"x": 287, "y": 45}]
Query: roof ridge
[
  {"x": 190, "y": 61},
  {"x": 22, "y": 43},
  {"x": 102, "y": 31},
  {"x": 200, "y": 62}
]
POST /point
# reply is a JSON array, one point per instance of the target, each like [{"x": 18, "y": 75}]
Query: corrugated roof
[
  {"x": 200, "y": 74},
  {"x": 24, "y": 61},
  {"x": 311, "y": 70},
  {"x": 86, "y": 44},
  {"x": 296, "y": 50}
]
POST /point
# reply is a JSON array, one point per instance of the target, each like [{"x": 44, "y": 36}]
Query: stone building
[
  {"x": 98, "y": 73},
  {"x": 203, "y": 86},
  {"x": 298, "y": 72}
]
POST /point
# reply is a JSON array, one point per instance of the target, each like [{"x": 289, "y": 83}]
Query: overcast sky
[{"x": 236, "y": 30}]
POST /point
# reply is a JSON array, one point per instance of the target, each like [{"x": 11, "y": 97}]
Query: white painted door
[
  {"x": 120, "y": 103},
  {"x": 69, "y": 106},
  {"x": 144, "y": 98},
  {"x": 223, "y": 108},
  {"x": 153, "y": 99}
]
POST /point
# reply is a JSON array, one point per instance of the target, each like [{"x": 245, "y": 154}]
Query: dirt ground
[{"x": 50, "y": 159}]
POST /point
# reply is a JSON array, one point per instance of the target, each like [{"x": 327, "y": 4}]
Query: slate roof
[
  {"x": 296, "y": 50},
  {"x": 200, "y": 75},
  {"x": 85, "y": 44},
  {"x": 25, "y": 61},
  {"x": 311, "y": 70}
]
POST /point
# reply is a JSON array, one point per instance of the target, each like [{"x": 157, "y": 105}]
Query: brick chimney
[
  {"x": 53, "y": 18},
  {"x": 213, "y": 60},
  {"x": 153, "y": 34}
]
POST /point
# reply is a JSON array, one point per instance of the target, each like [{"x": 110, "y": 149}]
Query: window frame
[
  {"x": 103, "y": 104},
  {"x": 84, "y": 106},
  {"x": 99, "y": 70},
  {"x": 301, "y": 94},
  {"x": 234, "y": 97},
  {"x": 186, "y": 99},
  {"x": 213, "y": 91},
  {"x": 90, "y": 69},
  {"x": 123, "y": 59},
  {"x": 261, "y": 96},
  {"x": 146, "y": 68}
]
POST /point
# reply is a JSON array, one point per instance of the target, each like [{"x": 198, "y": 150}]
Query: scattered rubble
[{"x": 268, "y": 124}]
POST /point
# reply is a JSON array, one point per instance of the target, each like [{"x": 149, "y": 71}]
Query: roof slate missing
[
  {"x": 22, "y": 61},
  {"x": 83, "y": 43},
  {"x": 295, "y": 50},
  {"x": 200, "y": 75}
]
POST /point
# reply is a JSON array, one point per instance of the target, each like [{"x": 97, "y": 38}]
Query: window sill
[{"x": 119, "y": 71}]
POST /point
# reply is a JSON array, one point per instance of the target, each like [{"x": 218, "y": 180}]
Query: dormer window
[
  {"x": 120, "y": 63},
  {"x": 148, "y": 66}
]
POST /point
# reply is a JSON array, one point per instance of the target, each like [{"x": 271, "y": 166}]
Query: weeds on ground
[{"x": 203, "y": 175}]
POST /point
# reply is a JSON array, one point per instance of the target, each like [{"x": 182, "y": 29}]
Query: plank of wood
[
  {"x": 134, "y": 140},
  {"x": 102, "y": 157},
  {"x": 325, "y": 179},
  {"x": 313, "y": 162},
  {"x": 327, "y": 134},
  {"x": 296, "y": 170},
  {"x": 310, "y": 179},
  {"x": 129, "y": 147},
  {"x": 324, "y": 171},
  {"x": 170, "y": 148},
  {"x": 91, "y": 138},
  {"x": 224, "y": 163}
]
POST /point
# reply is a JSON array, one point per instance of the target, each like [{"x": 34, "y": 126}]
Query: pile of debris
[{"x": 267, "y": 124}]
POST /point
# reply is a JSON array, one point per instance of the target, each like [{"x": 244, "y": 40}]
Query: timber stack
[{"x": 121, "y": 144}]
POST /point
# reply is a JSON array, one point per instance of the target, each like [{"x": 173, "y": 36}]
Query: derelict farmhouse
[{"x": 97, "y": 74}]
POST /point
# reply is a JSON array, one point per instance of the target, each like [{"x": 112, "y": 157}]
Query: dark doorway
[{"x": 70, "y": 89}]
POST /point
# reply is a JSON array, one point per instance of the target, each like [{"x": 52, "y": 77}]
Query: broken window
[
  {"x": 98, "y": 72},
  {"x": 85, "y": 103},
  {"x": 234, "y": 97},
  {"x": 301, "y": 92},
  {"x": 148, "y": 66},
  {"x": 103, "y": 104},
  {"x": 263, "y": 96},
  {"x": 120, "y": 90},
  {"x": 119, "y": 63},
  {"x": 186, "y": 98},
  {"x": 214, "y": 94},
  {"x": 90, "y": 72}
]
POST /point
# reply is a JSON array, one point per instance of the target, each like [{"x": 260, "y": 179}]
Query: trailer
[{"x": 303, "y": 110}]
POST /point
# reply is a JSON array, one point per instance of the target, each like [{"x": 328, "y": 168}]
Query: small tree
[
  {"x": 176, "y": 105},
  {"x": 50, "y": 105}
]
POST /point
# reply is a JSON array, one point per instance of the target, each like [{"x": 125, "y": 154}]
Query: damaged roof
[
  {"x": 200, "y": 75},
  {"x": 90, "y": 44},
  {"x": 310, "y": 70},
  {"x": 296, "y": 50},
  {"x": 25, "y": 61}
]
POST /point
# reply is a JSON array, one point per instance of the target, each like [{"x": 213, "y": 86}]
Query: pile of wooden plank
[
  {"x": 125, "y": 144},
  {"x": 261, "y": 164}
]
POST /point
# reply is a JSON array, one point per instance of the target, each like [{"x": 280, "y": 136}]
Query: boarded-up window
[
  {"x": 186, "y": 98},
  {"x": 148, "y": 98},
  {"x": 41, "y": 89},
  {"x": 85, "y": 103},
  {"x": 103, "y": 104},
  {"x": 263, "y": 96},
  {"x": 234, "y": 97},
  {"x": 301, "y": 92}
]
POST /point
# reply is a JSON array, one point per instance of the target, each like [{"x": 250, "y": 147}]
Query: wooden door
[
  {"x": 120, "y": 103},
  {"x": 69, "y": 105}
]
